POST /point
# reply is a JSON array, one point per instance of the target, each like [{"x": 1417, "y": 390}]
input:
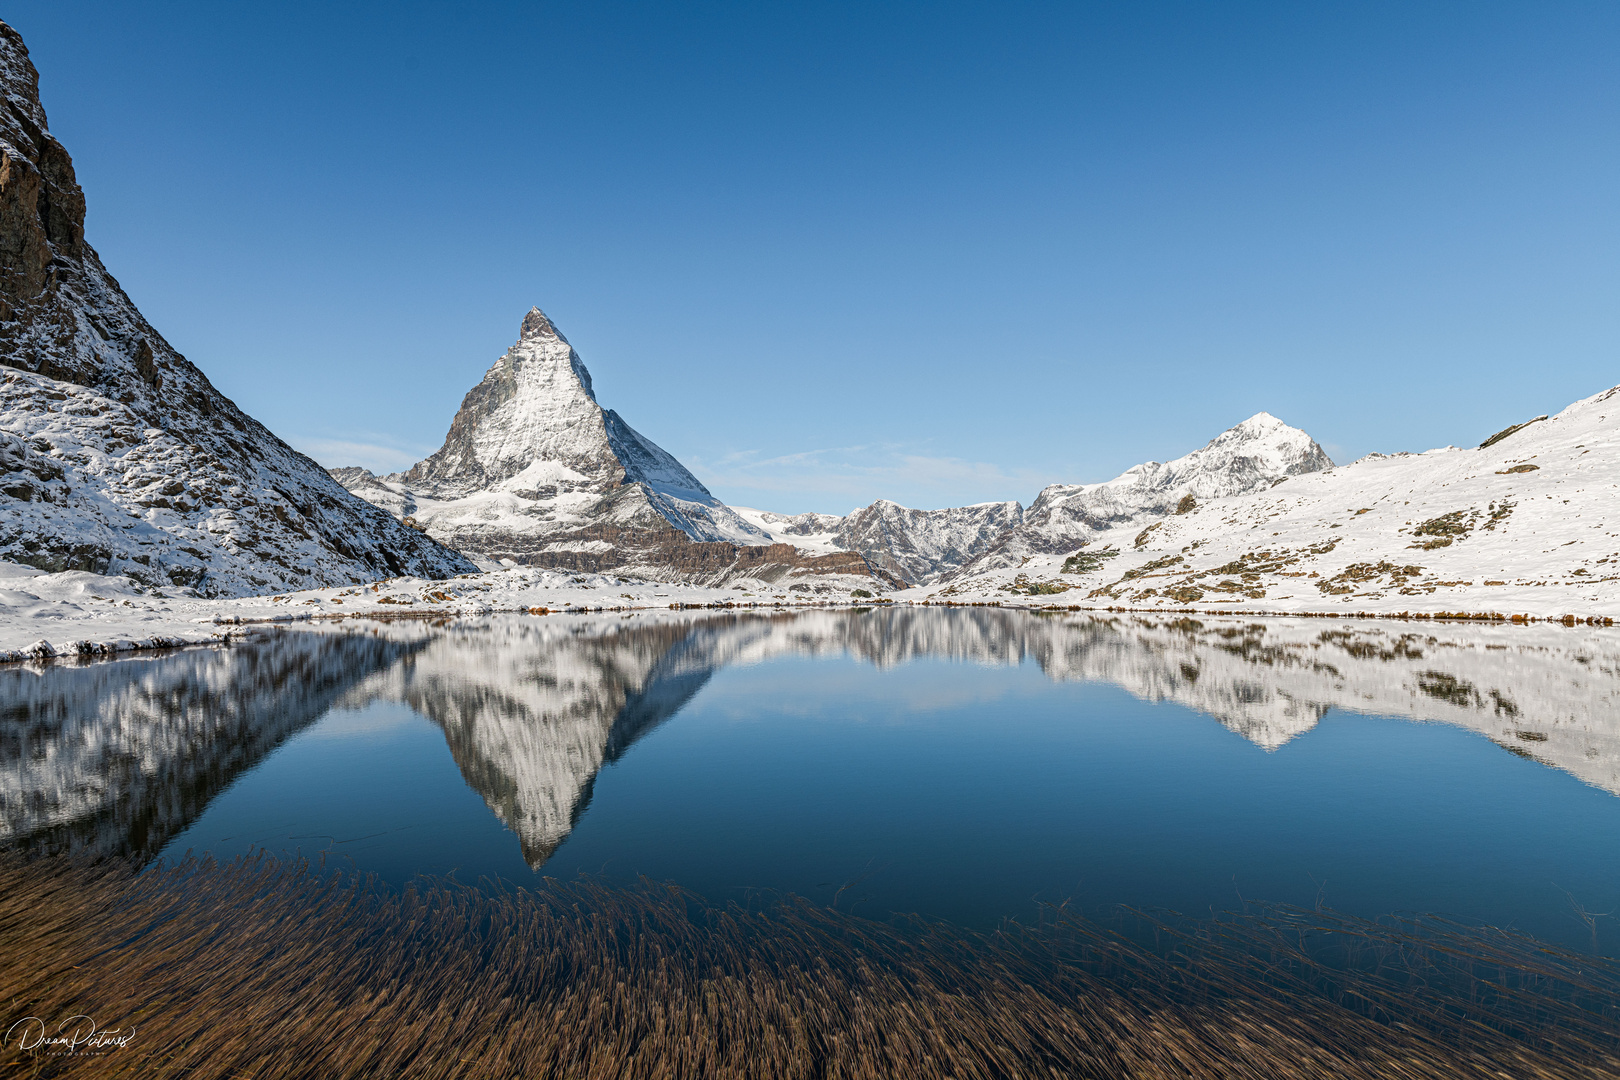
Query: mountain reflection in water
[{"x": 120, "y": 757}]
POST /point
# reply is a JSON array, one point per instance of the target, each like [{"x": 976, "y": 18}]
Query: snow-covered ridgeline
[
  {"x": 927, "y": 546},
  {"x": 1527, "y": 523}
]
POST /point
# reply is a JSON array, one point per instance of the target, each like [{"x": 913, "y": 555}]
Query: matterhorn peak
[{"x": 537, "y": 326}]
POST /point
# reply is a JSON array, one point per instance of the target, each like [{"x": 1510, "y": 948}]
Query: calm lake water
[{"x": 968, "y": 764}]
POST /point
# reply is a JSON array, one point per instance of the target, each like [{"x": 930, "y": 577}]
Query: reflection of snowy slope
[{"x": 119, "y": 757}]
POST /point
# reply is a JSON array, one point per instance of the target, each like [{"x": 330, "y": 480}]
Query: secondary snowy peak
[
  {"x": 119, "y": 456},
  {"x": 1249, "y": 457},
  {"x": 1525, "y": 524}
]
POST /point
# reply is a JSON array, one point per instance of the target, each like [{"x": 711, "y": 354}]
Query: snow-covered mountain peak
[
  {"x": 1245, "y": 458},
  {"x": 538, "y": 326},
  {"x": 533, "y": 469}
]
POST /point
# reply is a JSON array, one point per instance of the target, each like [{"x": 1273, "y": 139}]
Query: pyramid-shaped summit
[{"x": 535, "y": 471}]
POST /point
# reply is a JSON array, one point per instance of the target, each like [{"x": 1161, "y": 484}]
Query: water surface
[{"x": 968, "y": 764}]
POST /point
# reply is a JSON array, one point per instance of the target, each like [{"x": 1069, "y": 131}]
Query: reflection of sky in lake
[{"x": 969, "y": 792}]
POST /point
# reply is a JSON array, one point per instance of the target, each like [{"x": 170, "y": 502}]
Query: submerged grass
[{"x": 260, "y": 968}]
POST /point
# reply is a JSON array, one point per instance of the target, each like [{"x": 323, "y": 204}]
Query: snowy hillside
[
  {"x": 118, "y": 455},
  {"x": 1527, "y": 523}
]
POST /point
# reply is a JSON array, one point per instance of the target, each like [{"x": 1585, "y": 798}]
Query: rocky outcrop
[
  {"x": 534, "y": 471},
  {"x": 921, "y": 546},
  {"x": 120, "y": 457}
]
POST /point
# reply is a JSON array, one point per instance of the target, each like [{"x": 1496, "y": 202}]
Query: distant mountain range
[{"x": 534, "y": 471}]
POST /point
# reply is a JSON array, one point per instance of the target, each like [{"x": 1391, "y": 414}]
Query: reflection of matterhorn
[{"x": 532, "y": 710}]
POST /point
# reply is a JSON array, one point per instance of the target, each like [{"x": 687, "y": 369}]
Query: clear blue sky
[{"x": 939, "y": 253}]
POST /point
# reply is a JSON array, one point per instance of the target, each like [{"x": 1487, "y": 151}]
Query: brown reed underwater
[{"x": 260, "y": 968}]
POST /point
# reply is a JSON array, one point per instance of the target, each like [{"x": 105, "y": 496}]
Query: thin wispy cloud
[{"x": 378, "y": 456}]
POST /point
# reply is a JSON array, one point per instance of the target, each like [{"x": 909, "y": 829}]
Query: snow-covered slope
[
  {"x": 534, "y": 471},
  {"x": 1249, "y": 457},
  {"x": 1527, "y": 523},
  {"x": 117, "y": 455},
  {"x": 812, "y": 532}
]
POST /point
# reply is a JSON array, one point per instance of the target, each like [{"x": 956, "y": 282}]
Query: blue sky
[{"x": 940, "y": 253}]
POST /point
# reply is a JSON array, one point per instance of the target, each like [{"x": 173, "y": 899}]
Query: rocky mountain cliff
[
  {"x": 118, "y": 455},
  {"x": 925, "y": 545},
  {"x": 534, "y": 471}
]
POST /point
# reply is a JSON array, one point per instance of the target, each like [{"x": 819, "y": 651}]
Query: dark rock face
[{"x": 132, "y": 462}]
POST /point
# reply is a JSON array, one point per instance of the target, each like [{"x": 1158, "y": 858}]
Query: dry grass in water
[{"x": 266, "y": 969}]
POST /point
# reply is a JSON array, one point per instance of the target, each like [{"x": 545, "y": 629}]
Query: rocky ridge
[
  {"x": 1249, "y": 457},
  {"x": 118, "y": 455}
]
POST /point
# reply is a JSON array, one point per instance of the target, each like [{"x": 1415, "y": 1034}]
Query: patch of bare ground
[
  {"x": 1445, "y": 530},
  {"x": 1357, "y": 575}
]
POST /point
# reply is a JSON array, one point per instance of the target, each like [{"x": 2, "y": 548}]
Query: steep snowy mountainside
[
  {"x": 535, "y": 471},
  {"x": 1249, "y": 457},
  {"x": 1527, "y": 523},
  {"x": 922, "y": 545},
  {"x": 119, "y": 456}
]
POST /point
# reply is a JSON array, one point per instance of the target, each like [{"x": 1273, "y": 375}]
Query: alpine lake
[{"x": 970, "y": 765}]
